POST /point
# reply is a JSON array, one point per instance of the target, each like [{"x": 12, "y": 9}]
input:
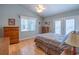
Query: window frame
[
  {"x": 59, "y": 27},
  {"x": 28, "y": 18},
  {"x": 65, "y": 25}
]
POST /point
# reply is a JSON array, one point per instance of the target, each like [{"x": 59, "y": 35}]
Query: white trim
[{"x": 32, "y": 37}]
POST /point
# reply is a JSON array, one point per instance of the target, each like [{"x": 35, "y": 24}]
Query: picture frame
[
  {"x": 47, "y": 23},
  {"x": 11, "y": 21}
]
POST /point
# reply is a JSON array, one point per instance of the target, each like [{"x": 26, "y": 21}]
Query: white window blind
[
  {"x": 70, "y": 25},
  {"x": 58, "y": 27},
  {"x": 28, "y": 23}
]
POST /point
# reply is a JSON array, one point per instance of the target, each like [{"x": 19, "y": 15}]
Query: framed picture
[
  {"x": 11, "y": 21},
  {"x": 47, "y": 23}
]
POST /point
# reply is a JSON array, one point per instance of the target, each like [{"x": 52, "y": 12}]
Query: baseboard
[{"x": 32, "y": 37}]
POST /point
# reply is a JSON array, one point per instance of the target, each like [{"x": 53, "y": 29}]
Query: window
[
  {"x": 58, "y": 27},
  {"x": 70, "y": 24},
  {"x": 28, "y": 24}
]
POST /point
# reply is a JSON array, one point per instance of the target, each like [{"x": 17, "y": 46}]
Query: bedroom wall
[
  {"x": 62, "y": 16},
  {"x": 14, "y": 11}
]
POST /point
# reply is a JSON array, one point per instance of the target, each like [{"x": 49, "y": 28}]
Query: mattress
[{"x": 52, "y": 36}]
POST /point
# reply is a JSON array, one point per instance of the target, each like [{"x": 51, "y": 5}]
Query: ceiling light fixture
[{"x": 39, "y": 8}]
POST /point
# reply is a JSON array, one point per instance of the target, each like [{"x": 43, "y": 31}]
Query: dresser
[
  {"x": 12, "y": 33},
  {"x": 45, "y": 29}
]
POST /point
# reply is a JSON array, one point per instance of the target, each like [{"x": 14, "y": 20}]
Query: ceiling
[{"x": 52, "y": 9}]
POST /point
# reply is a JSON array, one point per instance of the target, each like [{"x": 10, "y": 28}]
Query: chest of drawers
[{"x": 12, "y": 33}]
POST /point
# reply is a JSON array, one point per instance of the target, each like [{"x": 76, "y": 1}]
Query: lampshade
[{"x": 73, "y": 39}]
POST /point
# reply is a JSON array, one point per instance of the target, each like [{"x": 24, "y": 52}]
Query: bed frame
[{"x": 50, "y": 48}]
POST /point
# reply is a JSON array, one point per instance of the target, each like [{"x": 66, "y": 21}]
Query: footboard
[{"x": 50, "y": 49}]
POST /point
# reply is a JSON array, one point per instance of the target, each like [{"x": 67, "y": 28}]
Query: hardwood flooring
[{"x": 26, "y": 47}]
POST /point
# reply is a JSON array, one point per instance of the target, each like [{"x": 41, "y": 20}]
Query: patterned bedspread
[{"x": 50, "y": 41}]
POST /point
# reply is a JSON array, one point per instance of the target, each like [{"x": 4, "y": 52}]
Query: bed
[{"x": 51, "y": 43}]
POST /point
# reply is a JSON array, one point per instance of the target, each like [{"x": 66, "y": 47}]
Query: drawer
[
  {"x": 7, "y": 29},
  {"x": 14, "y": 37},
  {"x": 12, "y": 41},
  {"x": 11, "y": 28},
  {"x": 14, "y": 29}
]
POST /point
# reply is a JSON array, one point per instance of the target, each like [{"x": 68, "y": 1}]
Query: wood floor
[{"x": 26, "y": 47}]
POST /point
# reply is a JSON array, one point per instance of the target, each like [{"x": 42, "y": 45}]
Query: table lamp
[{"x": 73, "y": 40}]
